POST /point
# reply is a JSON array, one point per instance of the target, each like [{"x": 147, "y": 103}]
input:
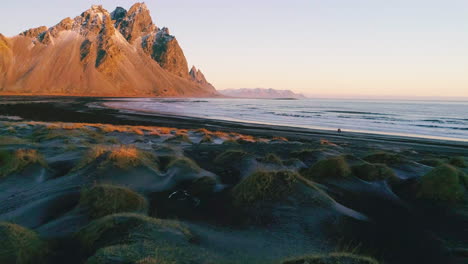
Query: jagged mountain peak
[
  {"x": 33, "y": 32},
  {"x": 197, "y": 76},
  {"x": 135, "y": 23},
  {"x": 98, "y": 53},
  {"x": 138, "y": 8},
  {"x": 118, "y": 14}
]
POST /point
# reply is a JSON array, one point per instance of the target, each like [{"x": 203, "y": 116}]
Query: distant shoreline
[{"x": 76, "y": 109}]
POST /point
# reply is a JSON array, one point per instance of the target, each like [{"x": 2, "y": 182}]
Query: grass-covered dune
[{"x": 104, "y": 193}]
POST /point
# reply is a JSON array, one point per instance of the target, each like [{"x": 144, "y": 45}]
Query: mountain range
[
  {"x": 266, "y": 93},
  {"x": 99, "y": 53}
]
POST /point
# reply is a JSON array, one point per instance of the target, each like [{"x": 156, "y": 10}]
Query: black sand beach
[{"x": 91, "y": 184}]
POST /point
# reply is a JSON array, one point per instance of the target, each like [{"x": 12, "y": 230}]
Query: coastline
[{"x": 77, "y": 109}]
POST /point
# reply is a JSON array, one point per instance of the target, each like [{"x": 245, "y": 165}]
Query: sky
[{"x": 336, "y": 48}]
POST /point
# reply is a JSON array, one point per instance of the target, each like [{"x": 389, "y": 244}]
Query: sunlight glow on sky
[{"x": 318, "y": 47}]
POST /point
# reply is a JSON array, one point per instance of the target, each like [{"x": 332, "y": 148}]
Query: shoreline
[
  {"x": 78, "y": 109},
  {"x": 311, "y": 128}
]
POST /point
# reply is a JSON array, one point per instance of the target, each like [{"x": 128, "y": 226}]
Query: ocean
[{"x": 426, "y": 119}]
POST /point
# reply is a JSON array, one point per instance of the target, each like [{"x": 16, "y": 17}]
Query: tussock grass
[
  {"x": 230, "y": 142},
  {"x": 385, "y": 158},
  {"x": 330, "y": 168},
  {"x": 127, "y": 228},
  {"x": 121, "y": 156},
  {"x": 332, "y": 258},
  {"x": 279, "y": 139},
  {"x": 202, "y": 186},
  {"x": 153, "y": 253},
  {"x": 231, "y": 155},
  {"x": 272, "y": 159},
  {"x": 179, "y": 138},
  {"x": 102, "y": 200},
  {"x": 442, "y": 184},
  {"x": 305, "y": 154},
  {"x": 432, "y": 162},
  {"x": 12, "y": 140},
  {"x": 458, "y": 162},
  {"x": 206, "y": 139},
  {"x": 263, "y": 186},
  {"x": 183, "y": 163},
  {"x": 18, "y": 160},
  {"x": 20, "y": 245},
  {"x": 374, "y": 172}
]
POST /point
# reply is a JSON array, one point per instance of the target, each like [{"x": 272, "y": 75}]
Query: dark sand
[{"x": 380, "y": 218}]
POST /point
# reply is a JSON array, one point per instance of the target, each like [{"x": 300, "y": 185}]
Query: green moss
[
  {"x": 331, "y": 168},
  {"x": 18, "y": 160},
  {"x": 333, "y": 258},
  {"x": 230, "y": 156},
  {"x": 458, "y": 162},
  {"x": 263, "y": 186},
  {"x": 373, "y": 172},
  {"x": 385, "y": 158},
  {"x": 20, "y": 245},
  {"x": 102, "y": 200},
  {"x": 129, "y": 228},
  {"x": 441, "y": 184},
  {"x": 432, "y": 162}
]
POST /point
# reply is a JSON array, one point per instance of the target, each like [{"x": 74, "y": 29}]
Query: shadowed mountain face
[{"x": 98, "y": 53}]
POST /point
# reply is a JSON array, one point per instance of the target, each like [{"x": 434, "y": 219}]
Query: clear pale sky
[{"x": 318, "y": 47}]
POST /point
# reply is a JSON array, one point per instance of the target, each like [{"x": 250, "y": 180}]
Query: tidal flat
[{"x": 213, "y": 192}]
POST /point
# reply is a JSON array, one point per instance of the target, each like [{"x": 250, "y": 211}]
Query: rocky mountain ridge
[{"x": 99, "y": 53}]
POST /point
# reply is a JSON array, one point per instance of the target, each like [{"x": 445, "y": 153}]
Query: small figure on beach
[{"x": 339, "y": 130}]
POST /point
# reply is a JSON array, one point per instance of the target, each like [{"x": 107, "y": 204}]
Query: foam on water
[{"x": 428, "y": 119}]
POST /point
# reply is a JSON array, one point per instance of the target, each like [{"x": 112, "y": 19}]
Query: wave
[
  {"x": 434, "y": 121},
  {"x": 444, "y": 127},
  {"x": 355, "y": 112}
]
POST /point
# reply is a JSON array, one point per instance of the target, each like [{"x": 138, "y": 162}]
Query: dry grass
[
  {"x": 263, "y": 186},
  {"x": 97, "y": 132},
  {"x": 279, "y": 139},
  {"x": 11, "y": 140},
  {"x": 327, "y": 143},
  {"x": 121, "y": 156},
  {"x": 20, "y": 245},
  {"x": 102, "y": 200},
  {"x": 18, "y": 160},
  {"x": 165, "y": 130},
  {"x": 332, "y": 258}
]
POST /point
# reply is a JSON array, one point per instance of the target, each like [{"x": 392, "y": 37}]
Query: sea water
[{"x": 428, "y": 119}]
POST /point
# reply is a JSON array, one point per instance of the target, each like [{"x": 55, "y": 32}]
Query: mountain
[
  {"x": 122, "y": 53},
  {"x": 266, "y": 93}
]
